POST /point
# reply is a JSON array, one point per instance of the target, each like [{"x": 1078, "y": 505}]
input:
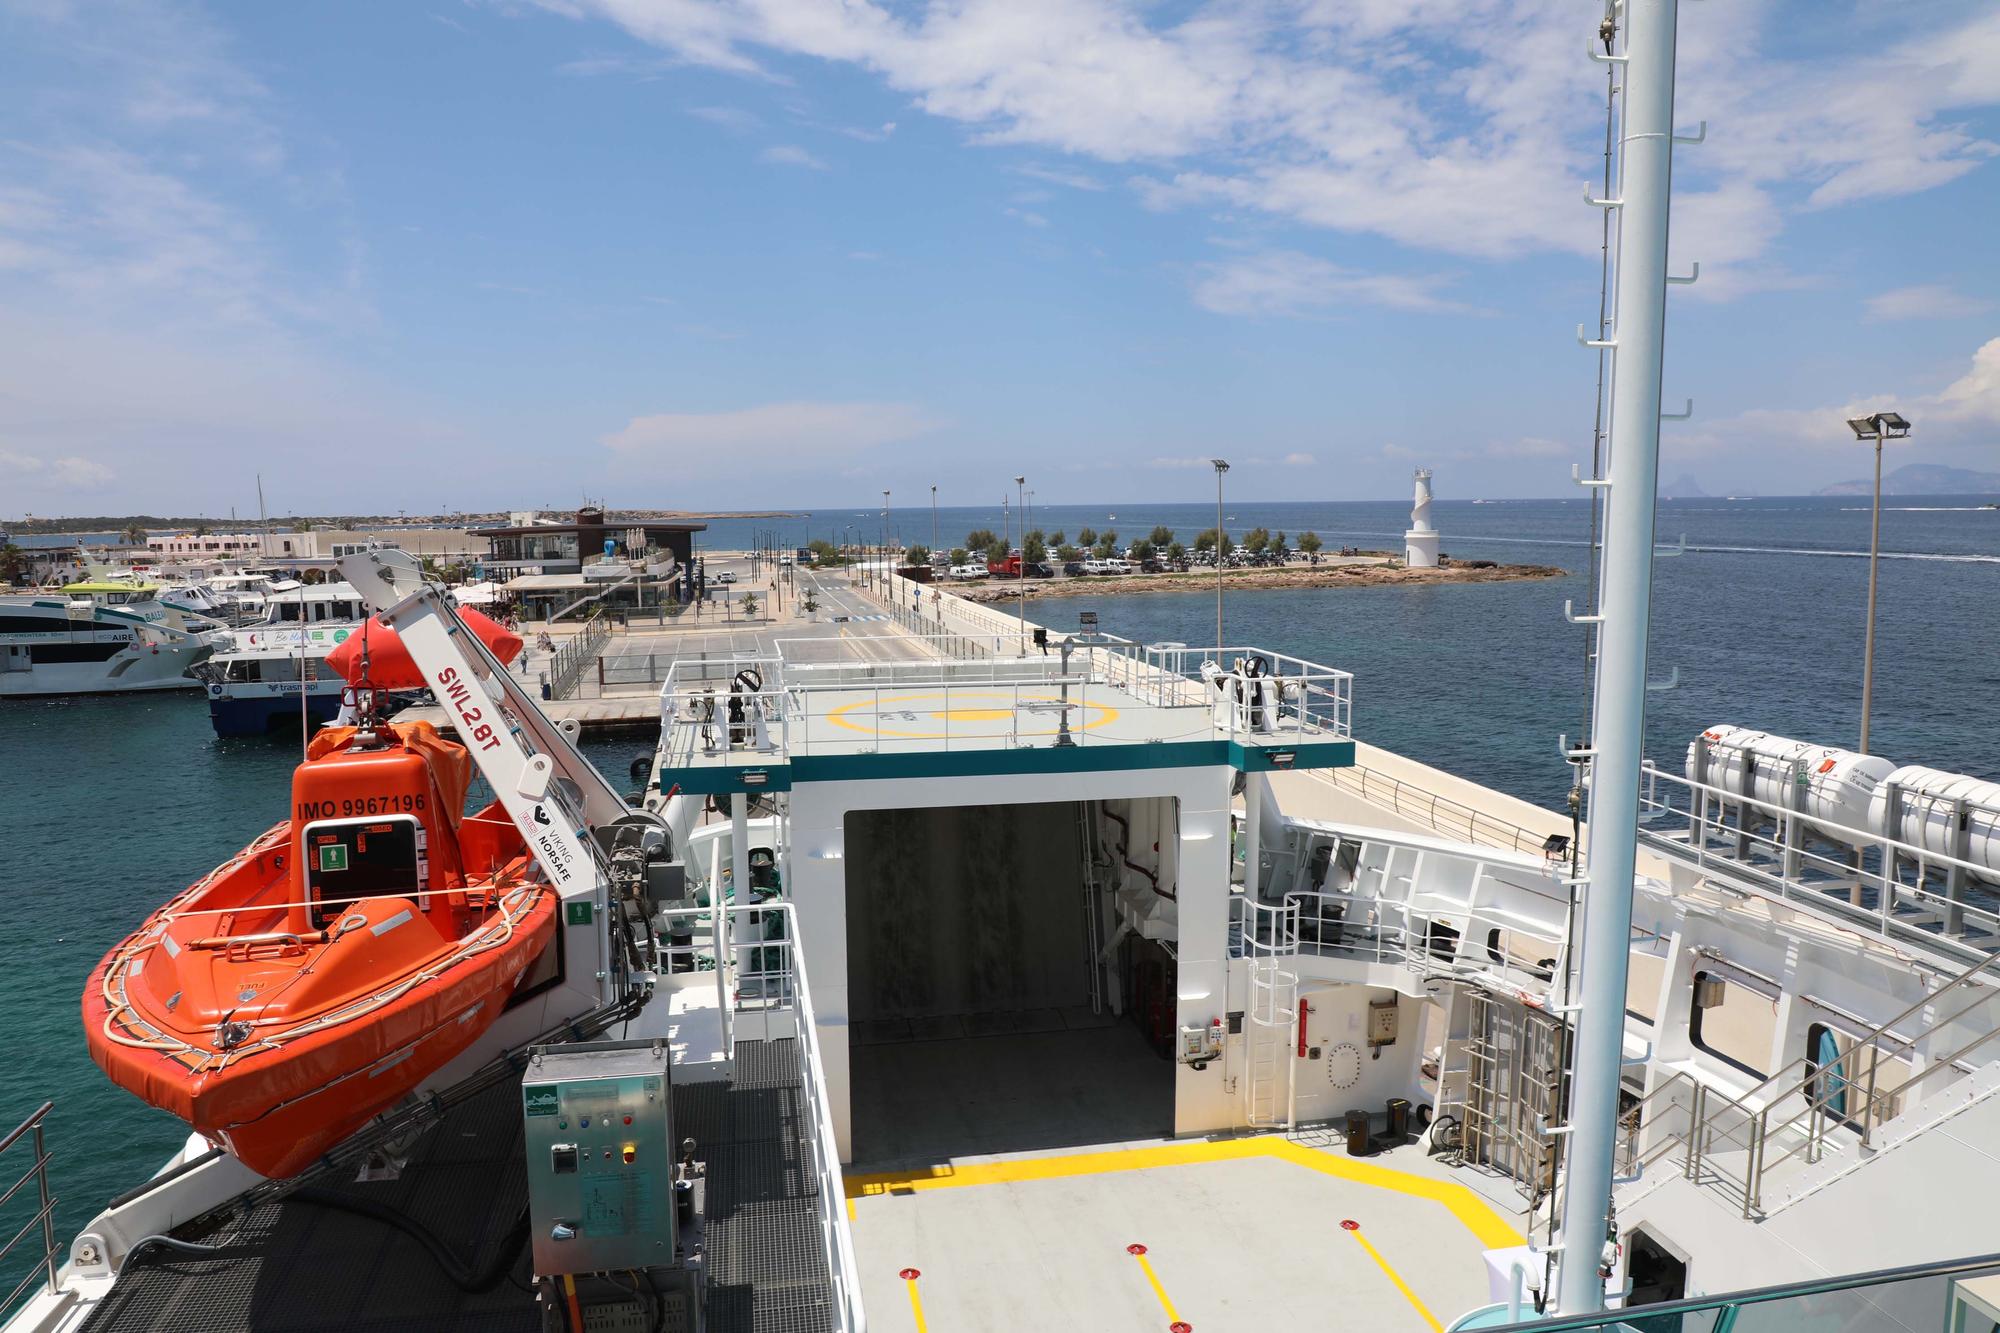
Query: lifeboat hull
[{"x": 280, "y": 1107}]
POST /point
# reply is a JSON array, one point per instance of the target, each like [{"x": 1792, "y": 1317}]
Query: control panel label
[{"x": 541, "y": 1100}]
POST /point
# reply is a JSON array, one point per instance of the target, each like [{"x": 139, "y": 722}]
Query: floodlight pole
[
  {"x": 1221, "y": 466},
  {"x": 1874, "y": 560},
  {"x": 1021, "y": 566},
  {"x": 1878, "y": 428},
  {"x": 934, "y": 523}
]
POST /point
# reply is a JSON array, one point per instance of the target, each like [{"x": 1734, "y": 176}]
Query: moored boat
[{"x": 304, "y": 986}]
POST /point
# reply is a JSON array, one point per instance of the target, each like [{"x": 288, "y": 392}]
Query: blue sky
[{"x": 440, "y": 255}]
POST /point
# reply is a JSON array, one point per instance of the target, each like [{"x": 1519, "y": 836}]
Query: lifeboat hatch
[{"x": 347, "y": 860}]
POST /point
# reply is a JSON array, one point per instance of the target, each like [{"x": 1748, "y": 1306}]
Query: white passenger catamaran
[{"x": 1144, "y": 994}]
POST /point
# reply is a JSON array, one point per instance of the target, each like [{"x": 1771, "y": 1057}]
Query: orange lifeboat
[{"x": 306, "y": 985}]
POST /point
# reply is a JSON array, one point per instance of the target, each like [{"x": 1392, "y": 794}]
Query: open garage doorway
[{"x": 983, "y": 1017}]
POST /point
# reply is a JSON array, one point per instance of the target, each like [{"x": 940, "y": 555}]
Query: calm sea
[{"x": 112, "y": 805}]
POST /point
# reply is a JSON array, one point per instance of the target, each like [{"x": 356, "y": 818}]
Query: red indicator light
[{"x": 628, "y": 1119}]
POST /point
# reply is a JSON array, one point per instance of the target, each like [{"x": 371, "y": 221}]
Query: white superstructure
[{"x": 99, "y": 637}]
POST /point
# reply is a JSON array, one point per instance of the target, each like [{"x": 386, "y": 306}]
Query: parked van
[
  {"x": 968, "y": 571},
  {"x": 1106, "y": 567}
]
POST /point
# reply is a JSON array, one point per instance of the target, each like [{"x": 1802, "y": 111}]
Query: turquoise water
[{"x": 112, "y": 805}]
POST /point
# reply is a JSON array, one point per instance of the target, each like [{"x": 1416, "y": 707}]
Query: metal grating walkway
[{"x": 296, "y": 1266}]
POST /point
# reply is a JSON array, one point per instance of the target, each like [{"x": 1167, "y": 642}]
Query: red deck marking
[
  {"x": 909, "y": 1275},
  {"x": 1135, "y": 1249},
  {"x": 1350, "y": 1225}
]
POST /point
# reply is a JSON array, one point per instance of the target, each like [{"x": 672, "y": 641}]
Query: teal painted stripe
[
  {"x": 728, "y": 779},
  {"x": 1314, "y": 754}
]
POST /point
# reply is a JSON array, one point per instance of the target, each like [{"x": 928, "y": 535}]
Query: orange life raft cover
[{"x": 390, "y": 666}]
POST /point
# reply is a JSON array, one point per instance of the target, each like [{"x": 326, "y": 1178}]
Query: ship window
[
  {"x": 1738, "y": 1030},
  {"x": 350, "y": 859},
  {"x": 76, "y": 652}
]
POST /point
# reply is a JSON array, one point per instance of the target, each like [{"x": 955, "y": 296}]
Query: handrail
[
  {"x": 1830, "y": 1091},
  {"x": 1668, "y": 1314},
  {"x": 774, "y": 981},
  {"x": 1508, "y": 836},
  {"x": 572, "y": 657},
  {"x": 37, "y": 1171}
]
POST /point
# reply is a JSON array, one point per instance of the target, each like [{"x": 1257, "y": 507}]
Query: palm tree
[
  {"x": 134, "y": 535},
  {"x": 13, "y": 563}
]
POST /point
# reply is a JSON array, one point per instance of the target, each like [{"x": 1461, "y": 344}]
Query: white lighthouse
[{"x": 1420, "y": 543}]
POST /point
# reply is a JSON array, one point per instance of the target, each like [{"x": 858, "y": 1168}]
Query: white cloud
[
  {"x": 1973, "y": 399},
  {"x": 1963, "y": 413},
  {"x": 1075, "y": 180},
  {"x": 774, "y": 433},
  {"x": 790, "y": 155},
  {"x": 732, "y": 118},
  {"x": 1927, "y": 301},
  {"x": 1026, "y": 217},
  {"x": 879, "y": 134},
  {"x": 1299, "y": 460},
  {"x": 1463, "y": 127},
  {"x": 50, "y": 475},
  {"x": 1285, "y": 282}
]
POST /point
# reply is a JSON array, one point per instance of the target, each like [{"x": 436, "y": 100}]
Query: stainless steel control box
[{"x": 599, "y": 1135}]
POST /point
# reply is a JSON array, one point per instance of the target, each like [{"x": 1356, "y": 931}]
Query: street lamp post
[
  {"x": 1021, "y": 569},
  {"x": 1879, "y": 427},
  {"x": 933, "y": 522},
  {"x": 882, "y": 552},
  {"x": 1221, "y": 466}
]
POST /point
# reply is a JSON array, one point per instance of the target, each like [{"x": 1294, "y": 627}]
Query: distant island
[
  {"x": 1922, "y": 479},
  {"x": 1683, "y": 487}
]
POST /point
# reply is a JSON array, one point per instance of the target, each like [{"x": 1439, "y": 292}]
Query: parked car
[
  {"x": 968, "y": 571},
  {"x": 726, "y": 576},
  {"x": 1106, "y": 567},
  {"x": 1073, "y": 568}
]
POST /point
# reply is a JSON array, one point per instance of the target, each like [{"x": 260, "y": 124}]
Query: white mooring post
[{"x": 1617, "y": 730}]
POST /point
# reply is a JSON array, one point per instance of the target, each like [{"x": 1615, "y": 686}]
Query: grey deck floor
[
  {"x": 1246, "y": 1244},
  {"x": 1012, "y": 1173}
]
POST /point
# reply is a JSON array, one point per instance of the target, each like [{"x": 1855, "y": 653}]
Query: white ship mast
[{"x": 1618, "y": 720}]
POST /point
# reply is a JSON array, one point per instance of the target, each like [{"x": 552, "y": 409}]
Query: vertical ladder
[
  {"x": 1271, "y": 945},
  {"x": 1093, "y": 917}
]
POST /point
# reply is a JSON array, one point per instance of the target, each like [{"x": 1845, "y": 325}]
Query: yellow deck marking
[
  {"x": 916, "y": 1302},
  {"x": 1093, "y": 715},
  {"x": 1397, "y": 1278},
  {"x": 1159, "y": 1289},
  {"x": 1490, "y": 1228}
]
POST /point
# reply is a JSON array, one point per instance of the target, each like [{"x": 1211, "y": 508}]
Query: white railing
[
  {"x": 1264, "y": 695},
  {"x": 1451, "y": 818},
  {"x": 1797, "y": 855},
  {"x": 707, "y": 710},
  {"x": 769, "y": 999}
]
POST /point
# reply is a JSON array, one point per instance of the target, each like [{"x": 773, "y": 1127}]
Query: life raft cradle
[{"x": 124, "y": 1025}]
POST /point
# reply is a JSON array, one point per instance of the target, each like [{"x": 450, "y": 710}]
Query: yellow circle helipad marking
[{"x": 1000, "y": 709}]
